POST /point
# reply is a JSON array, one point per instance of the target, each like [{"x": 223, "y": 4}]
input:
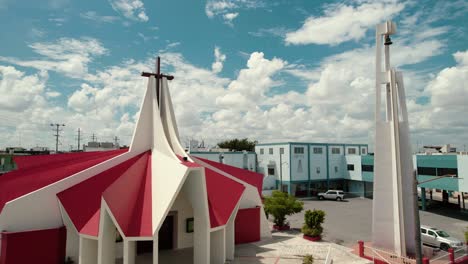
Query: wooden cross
[{"x": 158, "y": 75}]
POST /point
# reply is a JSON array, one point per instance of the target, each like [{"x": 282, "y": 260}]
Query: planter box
[
  {"x": 311, "y": 238},
  {"x": 281, "y": 228}
]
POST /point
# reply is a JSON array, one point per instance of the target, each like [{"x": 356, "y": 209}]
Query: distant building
[
  {"x": 6, "y": 163},
  {"x": 100, "y": 146},
  {"x": 240, "y": 159}
]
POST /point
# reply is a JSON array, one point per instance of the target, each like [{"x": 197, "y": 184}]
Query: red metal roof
[
  {"x": 83, "y": 201},
  {"x": 250, "y": 177},
  {"x": 129, "y": 199},
  {"x": 36, "y": 172},
  {"x": 223, "y": 196}
]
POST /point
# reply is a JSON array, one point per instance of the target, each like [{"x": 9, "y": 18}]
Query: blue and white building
[{"x": 302, "y": 168}]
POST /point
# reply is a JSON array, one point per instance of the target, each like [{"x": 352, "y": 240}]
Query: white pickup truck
[{"x": 332, "y": 195}]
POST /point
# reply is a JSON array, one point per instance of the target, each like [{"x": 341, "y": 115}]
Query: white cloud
[
  {"x": 343, "y": 22},
  {"x": 217, "y": 65},
  {"x": 131, "y": 9},
  {"x": 66, "y": 55},
  {"x": 229, "y": 9},
  {"x": 229, "y": 17},
  {"x": 92, "y": 15},
  {"x": 19, "y": 91}
]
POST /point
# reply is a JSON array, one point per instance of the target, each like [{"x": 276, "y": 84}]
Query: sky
[{"x": 267, "y": 70}]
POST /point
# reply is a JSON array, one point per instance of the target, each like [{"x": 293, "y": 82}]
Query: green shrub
[
  {"x": 313, "y": 223},
  {"x": 280, "y": 205},
  {"x": 466, "y": 235},
  {"x": 308, "y": 259}
]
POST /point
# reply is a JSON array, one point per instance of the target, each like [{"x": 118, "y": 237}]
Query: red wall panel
[
  {"x": 247, "y": 225},
  {"x": 37, "y": 246}
]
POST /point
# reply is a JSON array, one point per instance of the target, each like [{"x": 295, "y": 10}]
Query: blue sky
[{"x": 267, "y": 70}]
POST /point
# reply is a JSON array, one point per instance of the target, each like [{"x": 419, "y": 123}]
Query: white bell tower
[{"x": 393, "y": 204}]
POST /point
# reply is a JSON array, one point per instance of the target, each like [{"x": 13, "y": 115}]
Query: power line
[{"x": 57, "y": 134}]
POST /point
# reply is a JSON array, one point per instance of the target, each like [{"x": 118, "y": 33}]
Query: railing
[{"x": 380, "y": 256}]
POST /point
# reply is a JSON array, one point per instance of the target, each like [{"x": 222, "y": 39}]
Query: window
[
  {"x": 270, "y": 151},
  {"x": 423, "y": 231},
  {"x": 318, "y": 150},
  {"x": 281, "y": 150},
  {"x": 367, "y": 167},
  {"x": 351, "y": 151},
  {"x": 298, "y": 150},
  {"x": 447, "y": 171},
  {"x": 271, "y": 171},
  {"x": 429, "y": 232},
  {"x": 331, "y": 192},
  {"x": 351, "y": 167},
  {"x": 336, "y": 169},
  {"x": 261, "y": 151},
  {"x": 427, "y": 171},
  {"x": 363, "y": 151},
  {"x": 317, "y": 170},
  {"x": 437, "y": 171},
  {"x": 335, "y": 150}
]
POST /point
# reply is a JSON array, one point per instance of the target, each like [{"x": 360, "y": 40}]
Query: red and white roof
[{"x": 137, "y": 185}]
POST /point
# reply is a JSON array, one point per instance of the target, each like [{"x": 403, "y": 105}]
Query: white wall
[
  {"x": 336, "y": 160},
  {"x": 184, "y": 210},
  {"x": 318, "y": 161},
  {"x": 462, "y": 164},
  {"x": 267, "y": 160},
  {"x": 299, "y": 163},
  {"x": 357, "y": 173}
]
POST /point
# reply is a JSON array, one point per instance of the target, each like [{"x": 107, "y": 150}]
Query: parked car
[
  {"x": 439, "y": 238},
  {"x": 332, "y": 195}
]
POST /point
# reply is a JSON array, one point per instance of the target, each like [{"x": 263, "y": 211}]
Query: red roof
[
  {"x": 129, "y": 199},
  {"x": 36, "y": 172},
  {"x": 250, "y": 177},
  {"x": 223, "y": 196},
  {"x": 83, "y": 201}
]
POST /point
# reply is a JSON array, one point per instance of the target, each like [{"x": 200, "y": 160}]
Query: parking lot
[{"x": 348, "y": 221}]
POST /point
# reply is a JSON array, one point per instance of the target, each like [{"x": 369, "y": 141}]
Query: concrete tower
[{"x": 393, "y": 204}]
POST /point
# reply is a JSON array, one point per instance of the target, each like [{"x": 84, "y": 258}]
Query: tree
[
  {"x": 238, "y": 144},
  {"x": 280, "y": 205},
  {"x": 313, "y": 223}
]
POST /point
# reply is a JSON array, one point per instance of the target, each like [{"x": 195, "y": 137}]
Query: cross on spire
[{"x": 158, "y": 75}]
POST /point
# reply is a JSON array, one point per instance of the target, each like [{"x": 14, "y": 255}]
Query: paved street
[{"x": 351, "y": 220}]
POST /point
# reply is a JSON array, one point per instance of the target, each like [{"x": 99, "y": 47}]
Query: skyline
[{"x": 239, "y": 70}]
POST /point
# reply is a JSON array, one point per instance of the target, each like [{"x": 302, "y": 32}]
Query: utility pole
[
  {"x": 57, "y": 134},
  {"x": 93, "y": 138},
  {"x": 116, "y": 141},
  {"x": 79, "y": 138}
]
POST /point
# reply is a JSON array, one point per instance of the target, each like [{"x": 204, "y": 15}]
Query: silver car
[
  {"x": 332, "y": 195},
  {"x": 438, "y": 238}
]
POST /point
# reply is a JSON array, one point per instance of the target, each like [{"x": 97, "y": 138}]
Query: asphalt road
[{"x": 348, "y": 221}]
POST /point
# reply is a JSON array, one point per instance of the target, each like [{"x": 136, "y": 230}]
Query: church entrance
[
  {"x": 166, "y": 233},
  {"x": 166, "y": 238}
]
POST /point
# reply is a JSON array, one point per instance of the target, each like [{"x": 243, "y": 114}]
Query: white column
[
  {"x": 201, "y": 240},
  {"x": 129, "y": 254},
  {"x": 106, "y": 242},
  {"x": 88, "y": 251},
  {"x": 155, "y": 249},
  {"x": 218, "y": 247},
  {"x": 230, "y": 240}
]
